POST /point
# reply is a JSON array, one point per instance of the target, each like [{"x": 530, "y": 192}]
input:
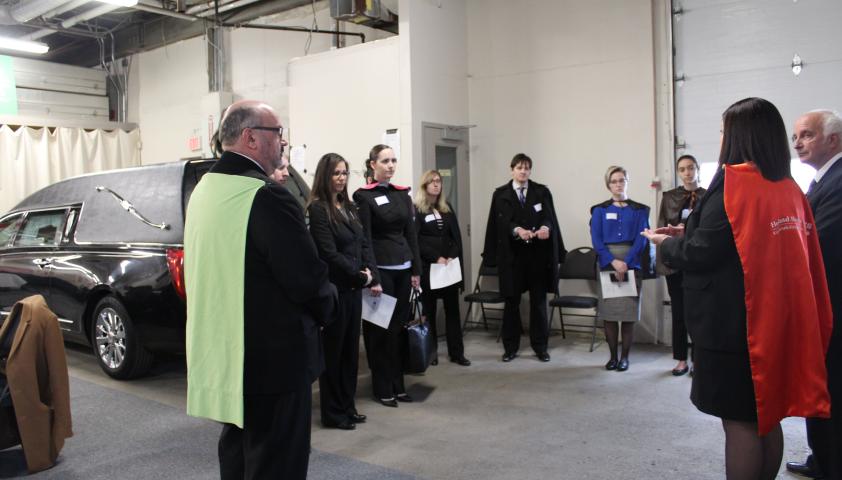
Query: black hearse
[{"x": 105, "y": 251}]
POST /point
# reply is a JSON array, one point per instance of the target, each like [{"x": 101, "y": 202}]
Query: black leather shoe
[
  {"x": 388, "y": 402},
  {"x": 508, "y": 357},
  {"x": 404, "y": 397},
  {"x": 677, "y": 372},
  {"x": 807, "y": 469},
  {"x": 343, "y": 425},
  {"x": 611, "y": 365},
  {"x": 357, "y": 418},
  {"x": 543, "y": 356},
  {"x": 435, "y": 362},
  {"x": 461, "y": 361},
  {"x": 623, "y": 365}
]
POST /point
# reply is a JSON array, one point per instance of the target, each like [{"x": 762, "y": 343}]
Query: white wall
[
  {"x": 571, "y": 84},
  {"x": 171, "y": 90},
  {"x": 342, "y": 101}
]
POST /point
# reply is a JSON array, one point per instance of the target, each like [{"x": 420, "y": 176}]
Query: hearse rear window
[
  {"x": 40, "y": 228},
  {"x": 8, "y": 227}
]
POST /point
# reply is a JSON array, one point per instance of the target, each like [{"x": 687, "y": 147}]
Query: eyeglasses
[
  {"x": 621, "y": 181},
  {"x": 279, "y": 130},
  {"x": 341, "y": 173}
]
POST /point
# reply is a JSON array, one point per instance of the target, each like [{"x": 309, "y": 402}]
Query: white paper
[
  {"x": 617, "y": 289},
  {"x": 445, "y": 275},
  {"x": 378, "y": 310},
  {"x": 381, "y": 200},
  {"x": 537, "y": 207},
  {"x": 298, "y": 157}
]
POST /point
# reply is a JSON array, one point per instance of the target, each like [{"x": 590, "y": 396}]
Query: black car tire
[{"x": 115, "y": 342}]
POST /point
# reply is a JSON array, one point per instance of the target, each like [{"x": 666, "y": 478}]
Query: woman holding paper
[
  {"x": 338, "y": 235},
  {"x": 386, "y": 213},
  {"x": 440, "y": 245},
  {"x": 615, "y": 233}
]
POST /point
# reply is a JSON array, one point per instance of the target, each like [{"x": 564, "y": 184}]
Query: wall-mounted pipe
[{"x": 293, "y": 29}]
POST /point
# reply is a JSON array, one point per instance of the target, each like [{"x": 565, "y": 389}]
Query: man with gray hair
[
  {"x": 818, "y": 141},
  {"x": 257, "y": 296}
]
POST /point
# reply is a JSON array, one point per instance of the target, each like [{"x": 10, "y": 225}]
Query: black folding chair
[
  {"x": 580, "y": 264},
  {"x": 483, "y": 297}
]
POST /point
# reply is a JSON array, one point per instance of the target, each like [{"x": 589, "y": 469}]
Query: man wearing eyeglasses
[{"x": 253, "y": 319}]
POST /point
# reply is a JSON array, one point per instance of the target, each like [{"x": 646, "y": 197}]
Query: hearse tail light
[{"x": 175, "y": 263}]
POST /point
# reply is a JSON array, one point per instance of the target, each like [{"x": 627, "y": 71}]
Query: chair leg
[
  {"x": 467, "y": 316},
  {"x": 593, "y": 335},
  {"x": 561, "y": 321},
  {"x": 484, "y": 320}
]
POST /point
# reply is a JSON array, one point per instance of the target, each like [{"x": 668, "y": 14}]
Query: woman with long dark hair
[
  {"x": 338, "y": 234},
  {"x": 439, "y": 241},
  {"x": 676, "y": 206},
  {"x": 756, "y": 300},
  {"x": 387, "y": 216}
]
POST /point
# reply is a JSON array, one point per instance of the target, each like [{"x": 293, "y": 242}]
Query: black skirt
[{"x": 722, "y": 385}]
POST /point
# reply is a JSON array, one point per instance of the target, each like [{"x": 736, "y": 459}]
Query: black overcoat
[{"x": 434, "y": 243}]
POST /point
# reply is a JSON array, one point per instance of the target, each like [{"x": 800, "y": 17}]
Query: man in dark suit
[
  {"x": 523, "y": 240},
  {"x": 818, "y": 140},
  {"x": 258, "y": 295}
]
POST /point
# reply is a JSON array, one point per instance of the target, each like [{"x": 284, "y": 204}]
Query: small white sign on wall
[
  {"x": 297, "y": 157},
  {"x": 392, "y": 138}
]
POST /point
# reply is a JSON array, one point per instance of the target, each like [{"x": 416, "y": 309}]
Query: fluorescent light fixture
[
  {"x": 121, "y": 3},
  {"x": 23, "y": 45}
]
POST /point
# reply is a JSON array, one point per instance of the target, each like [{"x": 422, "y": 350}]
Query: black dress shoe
[
  {"x": 509, "y": 356},
  {"x": 388, "y": 402},
  {"x": 404, "y": 397},
  {"x": 435, "y": 362},
  {"x": 343, "y": 425},
  {"x": 543, "y": 356},
  {"x": 677, "y": 372},
  {"x": 611, "y": 365},
  {"x": 357, "y": 418},
  {"x": 623, "y": 365},
  {"x": 461, "y": 361},
  {"x": 807, "y": 469}
]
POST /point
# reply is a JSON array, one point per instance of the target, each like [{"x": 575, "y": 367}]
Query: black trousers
[
  {"x": 338, "y": 382},
  {"x": 529, "y": 275},
  {"x": 824, "y": 436},
  {"x": 453, "y": 323},
  {"x": 275, "y": 440},
  {"x": 384, "y": 347},
  {"x": 679, "y": 327}
]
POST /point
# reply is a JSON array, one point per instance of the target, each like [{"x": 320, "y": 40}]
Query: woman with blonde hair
[
  {"x": 439, "y": 242},
  {"x": 615, "y": 233}
]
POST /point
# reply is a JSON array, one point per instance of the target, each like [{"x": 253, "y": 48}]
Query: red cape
[{"x": 788, "y": 313}]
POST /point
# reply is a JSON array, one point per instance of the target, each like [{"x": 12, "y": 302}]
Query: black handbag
[{"x": 420, "y": 344}]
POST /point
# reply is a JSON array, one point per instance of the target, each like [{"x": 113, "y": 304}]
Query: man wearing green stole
[{"x": 257, "y": 297}]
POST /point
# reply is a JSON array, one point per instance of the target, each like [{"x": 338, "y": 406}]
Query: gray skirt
[{"x": 621, "y": 309}]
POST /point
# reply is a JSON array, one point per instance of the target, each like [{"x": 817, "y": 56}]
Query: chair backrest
[
  {"x": 580, "y": 264},
  {"x": 485, "y": 270}
]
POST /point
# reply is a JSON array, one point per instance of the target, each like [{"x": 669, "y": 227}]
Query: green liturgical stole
[{"x": 214, "y": 275}]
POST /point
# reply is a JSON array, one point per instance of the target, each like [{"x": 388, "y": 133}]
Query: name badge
[
  {"x": 611, "y": 216},
  {"x": 537, "y": 207},
  {"x": 381, "y": 200},
  {"x": 430, "y": 218},
  {"x": 685, "y": 213}
]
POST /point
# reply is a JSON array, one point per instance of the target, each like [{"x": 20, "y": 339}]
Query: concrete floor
[{"x": 568, "y": 418}]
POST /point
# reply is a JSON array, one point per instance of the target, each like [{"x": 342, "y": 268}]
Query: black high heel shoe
[{"x": 611, "y": 365}]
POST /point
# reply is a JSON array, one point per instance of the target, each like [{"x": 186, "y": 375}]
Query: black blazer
[
  {"x": 343, "y": 246},
  {"x": 826, "y": 201},
  {"x": 287, "y": 293},
  {"x": 387, "y": 213},
  {"x": 506, "y": 213},
  {"x": 434, "y": 243},
  {"x": 714, "y": 292}
]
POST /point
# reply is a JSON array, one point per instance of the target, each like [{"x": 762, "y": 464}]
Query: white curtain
[{"x": 32, "y": 158}]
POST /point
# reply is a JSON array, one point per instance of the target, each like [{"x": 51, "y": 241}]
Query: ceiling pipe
[
  {"x": 293, "y": 29},
  {"x": 65, "y": 8},
  {"x": 164, "y": 11},
  {"x": 94, "y": 12},
  {"x": 196, "y": 9},
  {"x": 227, "y": 7},
  {"x": 26, "y": 11}
]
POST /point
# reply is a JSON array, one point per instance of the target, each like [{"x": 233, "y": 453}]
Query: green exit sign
[{"x": 8, "y": 94}]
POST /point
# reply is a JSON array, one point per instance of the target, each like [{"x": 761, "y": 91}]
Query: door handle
[{"x": 43, "y": 262}]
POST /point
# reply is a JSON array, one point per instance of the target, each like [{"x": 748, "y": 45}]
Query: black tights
[
  {"x": 748, "y": 456},
  {"x": 612, "y": 330}
]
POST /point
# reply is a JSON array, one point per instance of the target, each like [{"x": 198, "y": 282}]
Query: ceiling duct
[{"x": 371, "y": 13}]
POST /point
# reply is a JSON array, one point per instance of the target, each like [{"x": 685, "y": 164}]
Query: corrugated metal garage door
[{"x": 729, "y": 50}]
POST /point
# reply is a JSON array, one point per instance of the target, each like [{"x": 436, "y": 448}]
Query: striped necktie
[{"x": 520, "y": 196}]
